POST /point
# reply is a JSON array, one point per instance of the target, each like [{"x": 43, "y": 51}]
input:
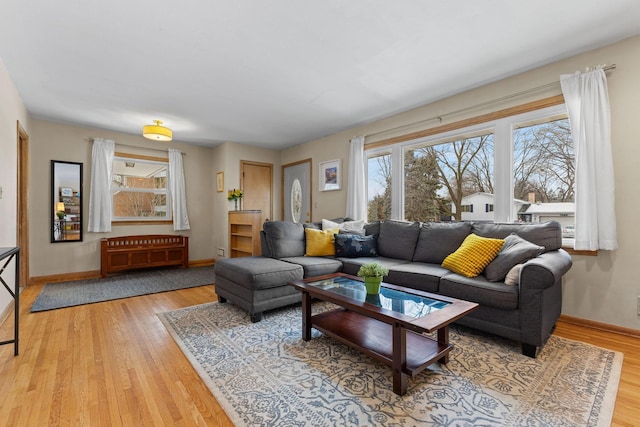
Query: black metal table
[{"x": 9, "y": 254}]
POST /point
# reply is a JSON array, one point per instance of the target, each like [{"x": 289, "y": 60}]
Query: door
[
  {"x": 296, "y": 191},
  {"x": 23, "y": 204},
  {"x": 257, "y": 184}
]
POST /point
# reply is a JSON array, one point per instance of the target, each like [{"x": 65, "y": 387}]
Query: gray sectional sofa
[{"x": 525, "y": 308}]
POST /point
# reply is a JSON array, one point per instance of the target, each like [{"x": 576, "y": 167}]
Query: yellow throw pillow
[
  {"x": 473, "y": 255},
  {"x": 320, "y": 242}
]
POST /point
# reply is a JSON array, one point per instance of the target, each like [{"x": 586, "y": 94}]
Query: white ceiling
[{"x": 280, "y": 72}]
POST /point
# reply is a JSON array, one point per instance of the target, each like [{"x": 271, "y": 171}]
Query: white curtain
[
  {"x": 177, "y": 191},
  {"x": 357, "y": 190},
  {"x": 100, "y": 199},
  {"x": 587, "y": 100}
]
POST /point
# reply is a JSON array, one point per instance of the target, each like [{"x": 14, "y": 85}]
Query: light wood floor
[{"x": 115, "y": 364}]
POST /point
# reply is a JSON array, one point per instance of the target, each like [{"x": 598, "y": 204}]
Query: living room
[{"x": 600, "y": 289}]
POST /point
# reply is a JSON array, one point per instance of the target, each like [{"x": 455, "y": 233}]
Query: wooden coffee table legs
[
  {"x": 399, "y": 362},
  {"x": 306, "y": 316},
  {"x": 443, "y": 338}
]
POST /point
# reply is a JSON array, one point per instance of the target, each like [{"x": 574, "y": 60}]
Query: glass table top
[{"x": 390, "y": 299}]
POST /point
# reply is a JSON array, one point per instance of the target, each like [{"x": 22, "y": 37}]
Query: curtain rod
[
  {"x": 146, "y": 148},
  {"x": 462, "y": 110}
]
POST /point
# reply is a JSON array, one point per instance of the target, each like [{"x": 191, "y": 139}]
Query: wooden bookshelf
[{"x": 244, "y": 233}]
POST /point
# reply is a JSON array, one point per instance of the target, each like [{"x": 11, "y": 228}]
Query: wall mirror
[{"x": 66, "y": 201}]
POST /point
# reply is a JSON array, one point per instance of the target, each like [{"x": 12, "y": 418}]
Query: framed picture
[
  {"x": 220, "y": 182},
  {"x": 66, "y": 192},
  {"x": 330, "y": 175}
]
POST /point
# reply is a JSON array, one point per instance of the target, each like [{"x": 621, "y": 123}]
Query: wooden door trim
[
  {"x": 270, "y": 166},
  {"x": 288, "y": 165},
  {"x": 22, "y": 205}
]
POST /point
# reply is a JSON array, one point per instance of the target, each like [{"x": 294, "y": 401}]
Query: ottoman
[{"x": 257, "y": 283}]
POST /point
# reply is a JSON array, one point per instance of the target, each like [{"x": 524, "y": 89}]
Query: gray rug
[
  {"x": 124, "y": 285},
  {"x": 264, "y": 374}
]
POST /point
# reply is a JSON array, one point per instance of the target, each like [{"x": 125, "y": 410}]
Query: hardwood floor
[{"x": 115, "y": 364}]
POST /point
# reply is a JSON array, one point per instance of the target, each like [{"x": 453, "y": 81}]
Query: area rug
[
  {"x": 264, "y": 374},
  {"x": 123, "y": 285}
]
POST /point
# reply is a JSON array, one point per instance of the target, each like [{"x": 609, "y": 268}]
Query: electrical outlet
[
  {"x": 220, "y": 251},
  {"x": 639, "y": 306}
]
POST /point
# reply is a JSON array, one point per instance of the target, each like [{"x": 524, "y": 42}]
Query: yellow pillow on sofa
[
  {"x": 320, "y": 242},
  {"x": 473, "y": 255}
]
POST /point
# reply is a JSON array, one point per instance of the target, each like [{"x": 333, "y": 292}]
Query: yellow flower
[{"x": 234, "y": 194}]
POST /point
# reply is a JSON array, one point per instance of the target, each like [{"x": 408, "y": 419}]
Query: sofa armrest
[{"x": 545, "y": 270}]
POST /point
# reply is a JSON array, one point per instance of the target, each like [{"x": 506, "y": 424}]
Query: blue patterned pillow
[{"x": 353, "y": 246}]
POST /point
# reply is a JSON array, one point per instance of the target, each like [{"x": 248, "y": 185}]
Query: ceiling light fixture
[{"x": 157, "y": 132}]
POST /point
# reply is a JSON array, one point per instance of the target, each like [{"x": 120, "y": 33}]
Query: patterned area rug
[
  {"x": 124, "y": 285},
  {"x": 263, "y": 374}
]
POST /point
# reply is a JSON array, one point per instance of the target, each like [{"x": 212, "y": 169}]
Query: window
[
  {"x": 379, "y": 186},
  {"x": 517, "y": 168},
  {"x": 544, "y": 172},
  {"x": 139, "y": 189}
]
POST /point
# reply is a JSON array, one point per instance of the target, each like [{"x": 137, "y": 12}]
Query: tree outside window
[{"x": 442, "y": 178}]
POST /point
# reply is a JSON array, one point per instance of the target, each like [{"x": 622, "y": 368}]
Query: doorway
[
  {"x": 256, "y": 181},
  {"x": 22, "y": 237},
  {"x": 296, "y": 191}
]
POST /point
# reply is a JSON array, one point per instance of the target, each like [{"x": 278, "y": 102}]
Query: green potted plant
[{"x": 372, "y": 272}]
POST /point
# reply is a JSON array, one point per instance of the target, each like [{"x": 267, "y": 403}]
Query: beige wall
[
  {"x": 226, "y": 158},
  {"x": 54, "y": 141},
  {"x": 602, "y": 288},
  {"x": 12, "y": 111}
]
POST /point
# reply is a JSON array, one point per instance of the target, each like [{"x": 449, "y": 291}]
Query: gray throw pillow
[
  {"x": 515, "y": 251},
  {"x": 439, "y": 239},
  {"x": 398, "y": 239}
]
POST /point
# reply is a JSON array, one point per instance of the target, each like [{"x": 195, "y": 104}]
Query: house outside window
[{"x": 139, "y": 189}]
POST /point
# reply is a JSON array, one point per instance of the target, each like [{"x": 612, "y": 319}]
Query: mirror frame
[{"x": 59, "y": 229}]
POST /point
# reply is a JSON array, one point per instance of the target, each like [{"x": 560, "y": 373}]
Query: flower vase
[
  {"x": 373, "y": 285},
  {"x": 236, "y": 202}
]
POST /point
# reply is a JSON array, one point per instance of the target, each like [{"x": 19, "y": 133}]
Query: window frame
[
  {"x": 503, "y": 129},
  {"x": 151, "y": 220}
]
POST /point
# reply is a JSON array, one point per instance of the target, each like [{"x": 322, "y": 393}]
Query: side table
[{"x": 9, "y": 254}]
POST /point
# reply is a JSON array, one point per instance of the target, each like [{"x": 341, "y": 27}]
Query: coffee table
[{"x": 387, "y": 326}]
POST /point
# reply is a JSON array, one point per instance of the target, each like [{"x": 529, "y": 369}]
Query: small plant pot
[{"x": 372, "y": 284}]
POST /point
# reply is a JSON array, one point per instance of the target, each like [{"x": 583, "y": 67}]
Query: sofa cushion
[
  {"x": 372, "y": 228},
  {"x": 480, "y": 290},
  {"x": 352, "y": 265},
  {"x": 316, "y": 266},
  {"x": 257, "y": 272},
  {"x": 439, "y": 239},
  {"x": 352, "y": 246},
  {"x": 320, "y": 242},
  {"x": 417, "y": 275},
  {"x": 284, "y": 238},
  {"x": 547, "y": 234},
  {"x": 398, "y": 239},
  {"x": 473, "y": 255},
  {"x": 516, "y": 250}
]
